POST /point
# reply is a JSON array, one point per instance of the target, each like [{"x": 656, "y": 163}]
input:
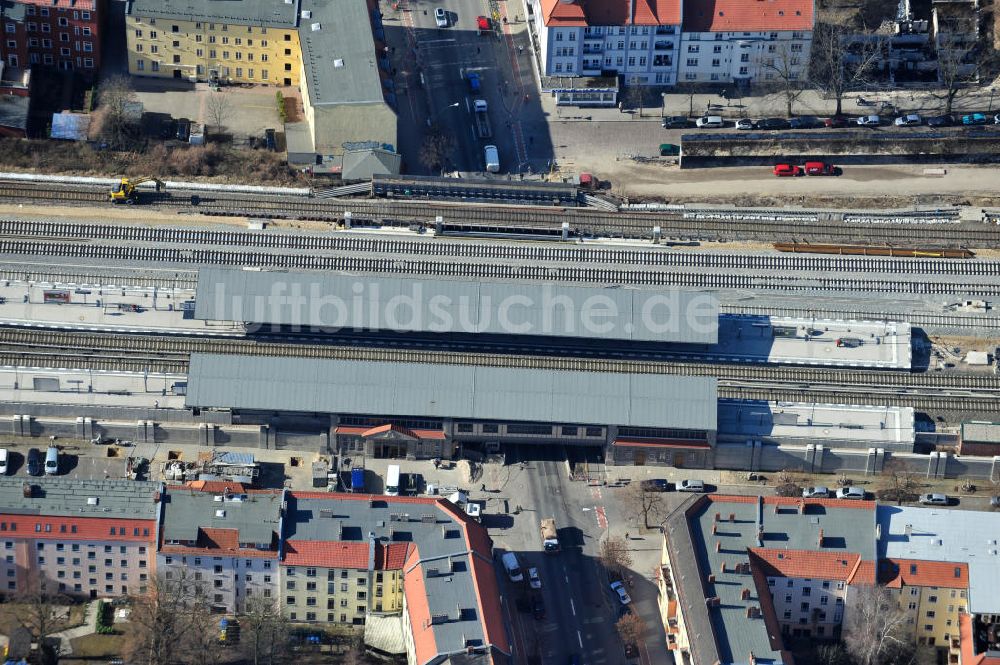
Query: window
[
  {"x": 62, "y": 21},
  {"x": 806, "y": 591},
  {"x": 796, "y": 48},
  {"x": 692, "y": 62},
  {"x": 930, "y": 614},
  {"x": 211, "y": 39},
  {"x": 311, "y": 601},
  {"x": 715, "y": 62},
  {"x": 86, "y": 17},
  {"x": 238, "y": 41},
  {"x": 155, "y": 66},
  {"x": 211, "y": 53},
  {"x": 199, "y": 53},
  {"x": 788, "y": 599},
  {"x": 826, "y": 585},
  {"x": 745, "y": 57},
  {"x": 804, "y": 607},
  {"x": 290, "y": 585},
  {"x": 175, "y": 44},
  {"x": 790, "y": 584},
  {"x": 154, "y": 49},
  {"x": 88, "y": 47},
  {"x": 822, "y": 600},
  {"x": 44, "y": 11},
  {"x": 693, "y": 48},
  {"x": 138, "y": 34},
  {"x": 289, "y": 600},
  {"x": 288, "y": 68},
  {"x": 931, "y": 599},
  {"x": 914, "y": 591},
  {"x": 310, "y": 586}
]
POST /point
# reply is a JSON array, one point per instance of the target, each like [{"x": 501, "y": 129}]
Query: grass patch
[{"x": 98, "y": 646}]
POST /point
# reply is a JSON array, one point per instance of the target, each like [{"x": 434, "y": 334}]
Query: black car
[
  {"x": 676, "y": 122},
  {"x": 941, "y": 121},
  {"x": 183, "y": 129},
  {"x": 772, "y": 123},
  {"x": 270, "y": 141},
  {"x": 34, "y": 462},
  {"x": 805, "y": 122},
  {"x": 538, "y": 608},
  {"x": 655, "y": 485},
  {"x": 168, "y": 128}
]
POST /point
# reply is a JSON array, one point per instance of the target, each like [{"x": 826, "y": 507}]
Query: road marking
[
  {"x": 579, "y": 638},
  {"x": 572, "y": 607},
  {"x": 596, "y": 491},
  {"x": 602, "y": 519}
]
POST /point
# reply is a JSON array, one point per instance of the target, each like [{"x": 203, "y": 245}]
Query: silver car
[
  {"x": 934, "y": 499},
  {"x": 869, "y": 121},
  {"x": 816, "y": 493},
  {"x": 691, "y": 485},
  {"x": 852, "y": 493}
]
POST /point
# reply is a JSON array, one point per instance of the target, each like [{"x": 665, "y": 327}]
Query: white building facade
[{"x": 666, "y": 42}]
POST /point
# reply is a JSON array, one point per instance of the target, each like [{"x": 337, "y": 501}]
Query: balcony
[
  {"x": 663, "y": 46},
  {"x": 592, "y": 49},
  {"x": 665, "y": 30}
]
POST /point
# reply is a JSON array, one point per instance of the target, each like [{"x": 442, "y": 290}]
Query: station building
[{"x": 423, "y": 411}]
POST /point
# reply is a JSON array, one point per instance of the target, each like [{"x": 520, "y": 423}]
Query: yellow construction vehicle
[{"x": 126, "y": 191}]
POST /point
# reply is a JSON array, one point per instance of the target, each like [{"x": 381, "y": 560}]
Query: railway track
[
  {"x": 115, "y": 254},
  {"x": 176, "y": 349},
  {"x": 22, "y": 229},
  {"x": 766, "y": 225}
]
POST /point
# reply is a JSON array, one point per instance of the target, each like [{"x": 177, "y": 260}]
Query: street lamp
[{"x": 663, "y": 102}]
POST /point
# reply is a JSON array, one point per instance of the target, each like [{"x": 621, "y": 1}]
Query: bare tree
[
  {"x": 642, "y": 505},
  {"x": 219, "y": 110},
  {"x": 615, "y": 555},
  {"x": 784, "y": 73},
  {"x": 633, "y": 98},
  {"x": 875, "y": 627},
  {"x": 631, "y": 628},
  {"x": 961, "y": 63},
  {"x": 41, "y": 612},
  {"x": 899, "y": 484},
  {"x": 843, "y": 59},
  {"x": 168, "y": 623},
  {"x": 436, "y": 148},
  {"x": 264, "y": 632},
  {"x": 117, "y": 96}
]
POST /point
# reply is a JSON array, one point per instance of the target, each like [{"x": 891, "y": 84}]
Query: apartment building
[
  {"x": 65, "y": 34},
  {"x": 932, "y": 593},
  {"x": 739, "y": 42},
  {"x": 666, "y": 42},
  {"x": 416, "y": 571},
  {"x": 635, "y": 39},
  {"x": 223, "y": 538},
  {"x": 327, "y": 49},
  {"x": 87, "y": 539}
]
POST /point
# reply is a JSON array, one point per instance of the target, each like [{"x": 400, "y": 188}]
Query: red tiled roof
[
  {"x": 897, "y": 573},
  {"x": 412, "y": 433},
  {"x": 747, "y": 15},
  {"x": 339, "y": 554},
  {"x": 85, "y": 5},
  {"x": 215, "y": 486},
  {"x": 967, "y": 644},
  {"x": 610, "y": 12},
  {"x": 345, "y": 429},
  {"x": 87, "y": 528},
  {"x": 844, "y": 566},
  {"x": 217, "y": 541},
  {"x": 662, "y": 443},
  {"x": 424, "y": 644}
]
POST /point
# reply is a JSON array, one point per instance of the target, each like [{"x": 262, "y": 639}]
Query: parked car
[
  {"x": 996, "y": 119},
  {"x": 869, "y": 121},
  {"x": 908, "y": 120},
  {"x": 852, "y": 493},
  {"x": 270, "y": 140},
  {"x": 837, "y": 121},
  {"x": 934, "y": 499},
  {"x": 816, "y": 493},
  {"x": 183, "y": 129},
  {"x": 440, "y": 17},
  {"x": 941, "y": 121},
  {"x": 772, "y": 123},
  {"x": 34, "y": 462},
  {"x": 676, "y": 122},
  {"x": 691, "y": 485},
  {"x": 974, "y": 119},
  {"x": 820, "y": 168},
  {"x": 538, "y": 608},
  {"x": 669, "y": 150},
  {"x": 168, "y": 128},
  {"x": 709, "y": 122},
  {"x": 805, "y": 122},
  {"x": 655, "y": 485},
  {"x": 789, "y": 170},
  {"x": 744, "y": 123},
  {"x": 533, "y": 579},
  {"x": 995, "y": 501},
  {"x": 623, "y": 596}
]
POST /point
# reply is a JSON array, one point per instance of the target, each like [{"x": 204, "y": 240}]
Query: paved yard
[{"x": 249, "y": 111}]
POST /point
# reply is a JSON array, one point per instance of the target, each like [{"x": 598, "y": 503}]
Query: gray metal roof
[
  {"x": 940, "y": 534},
  {"x": 436, "y": 535},
  {"x": 256, "y": 517},
  {"x": 344, "y": 34},
  {"x": 64, "y": 497},
  {"x": 267, "y": 13},
  {"x": 451, "y": 391},
  {"x": 981, "y": 432},
  {"x": 325, "y": 300}
]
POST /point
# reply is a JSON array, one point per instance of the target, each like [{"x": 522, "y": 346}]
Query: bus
[{"x": 392, "y": 481}]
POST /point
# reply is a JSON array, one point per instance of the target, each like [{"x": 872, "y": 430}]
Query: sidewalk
[{"x": 89, "y": 625}]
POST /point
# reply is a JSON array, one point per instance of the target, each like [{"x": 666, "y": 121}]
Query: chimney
[
  {"x": 711, "y": 579},
  {"x": 718, "y": 547},
  {"x": 717, "y": 517},
  {"x": 732, "y": 517},
  {"x": 745, "y": 594},
  {"x": 371, "y": 551},
  {"x": 802, "y": 507},
  {"x": 820, "y": 539},
  {"x": 715, "y": 529},
  {"x": 752, "y": 660},
  {"x": 908, "y": 530},
  {"x": 775, "y": 509},
  {"x": 723, "y": 567}
]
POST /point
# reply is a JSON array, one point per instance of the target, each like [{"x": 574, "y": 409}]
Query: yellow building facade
[
  {"x": 931, "y": 594},
  {"x": 339, "y": 595},
  {"x": 207, "y": 50}
]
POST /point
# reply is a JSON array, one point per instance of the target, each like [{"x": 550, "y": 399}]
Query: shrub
[
  {"x": 103, "y": 624},
  {"x": 282, "y": 113}
]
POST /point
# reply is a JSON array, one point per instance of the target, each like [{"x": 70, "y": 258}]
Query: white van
[
  {"x": 52, "y": 461},
  {"x": 392, "y": 481},
  {"x": 512, "y": 567},
  {"x": 492, "y": 157},
  {"x": 3, "y": 461}
]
